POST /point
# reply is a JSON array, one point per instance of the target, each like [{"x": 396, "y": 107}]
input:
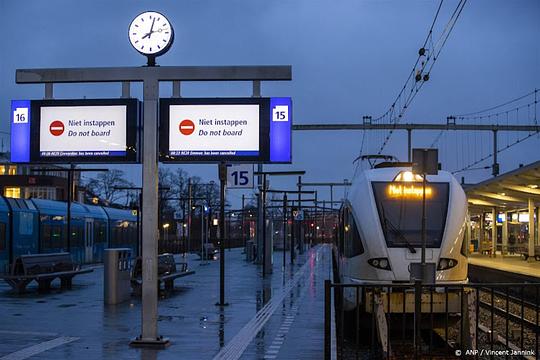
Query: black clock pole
[{"x": 151, "y": 60}]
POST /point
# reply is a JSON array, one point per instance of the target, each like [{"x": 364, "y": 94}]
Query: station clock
[{"x": 151, "y": 34}]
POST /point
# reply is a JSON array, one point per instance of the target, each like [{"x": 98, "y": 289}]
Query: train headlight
[
  {"x": 445, "y": 264},
  {"x": 380, "y": 263}
]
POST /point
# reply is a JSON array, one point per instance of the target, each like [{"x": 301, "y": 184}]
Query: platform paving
[
  {"x": 279, "y": 317},
  {"x": 509, "y": 263}
]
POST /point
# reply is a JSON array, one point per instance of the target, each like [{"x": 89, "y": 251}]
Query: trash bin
[{"x": 117, "y": 275}]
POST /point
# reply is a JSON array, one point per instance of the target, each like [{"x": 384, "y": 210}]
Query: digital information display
[
  {"x": 225, "y": 129},
  {"x": 78, "y": 131}
]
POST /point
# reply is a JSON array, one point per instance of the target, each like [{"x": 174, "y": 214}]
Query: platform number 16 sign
[{"x": 240, "y": 176}]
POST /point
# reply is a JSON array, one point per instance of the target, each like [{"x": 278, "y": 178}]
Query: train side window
[
  {"x": 46, "y": 236},
  {"x": 77, "y": 236},
  {"x": 2, "y": 236},
  {"x": 353, "y": 242},
  {"x": 100, "y": 235},
  {"x": 57, "y": 240}
]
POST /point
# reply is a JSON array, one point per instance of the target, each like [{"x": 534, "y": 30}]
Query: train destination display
[
  {"x": 226, "y": 129},
  {"x": 89, "y": 131}
]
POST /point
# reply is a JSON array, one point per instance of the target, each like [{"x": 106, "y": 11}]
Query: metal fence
[{"x": 415, "y": 320}]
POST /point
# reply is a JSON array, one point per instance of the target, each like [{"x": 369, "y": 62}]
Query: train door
[{"x": 89, "y": 240}]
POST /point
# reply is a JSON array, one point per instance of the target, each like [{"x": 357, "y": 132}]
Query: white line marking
[
  {"x": 270, "y": 356},
  {"x": 236, "y": 347},
  {"x": 39, "y": 348}
]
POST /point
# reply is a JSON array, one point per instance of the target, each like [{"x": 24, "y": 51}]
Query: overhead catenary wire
[{"x": 431, "y": 59}]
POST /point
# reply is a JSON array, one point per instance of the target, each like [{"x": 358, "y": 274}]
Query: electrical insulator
[
  {"x": 422, "y": 51},
  {"x": 426, "y": 77}
]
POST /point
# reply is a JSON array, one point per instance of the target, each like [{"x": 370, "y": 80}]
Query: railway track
[{"x": 510, "y": 321}]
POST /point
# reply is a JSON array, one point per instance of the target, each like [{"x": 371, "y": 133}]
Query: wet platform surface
[
  {"x": 75, "y": 324},
  {"x": 508, "y": 263}
]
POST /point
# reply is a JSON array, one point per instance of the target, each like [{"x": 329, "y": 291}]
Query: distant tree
[
  {"x": 104, "y": 186},
  {"x": 175, "y": 184}
]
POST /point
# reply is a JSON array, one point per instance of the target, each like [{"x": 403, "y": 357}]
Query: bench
[
  {"x": 43, "y": 268},
  {"x": 524, "y": 252},
  {"x": 168, "y": 271}
]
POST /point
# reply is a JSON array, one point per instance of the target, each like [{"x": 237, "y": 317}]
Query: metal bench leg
[
  {"x": 66, "y": 282},
  {"x": 44, "y": 285},
  {"x": 18, "y": 285}
]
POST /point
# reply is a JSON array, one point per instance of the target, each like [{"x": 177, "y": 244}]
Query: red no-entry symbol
[
  {"x": 56, "y": 128},
  {"x": 187, "y": 127}
]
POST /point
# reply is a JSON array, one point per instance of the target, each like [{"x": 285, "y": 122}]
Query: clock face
[{"x": 151, "y": 33}]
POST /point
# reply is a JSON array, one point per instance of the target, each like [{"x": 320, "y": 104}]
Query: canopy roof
[{"x": 508, "y": 192}]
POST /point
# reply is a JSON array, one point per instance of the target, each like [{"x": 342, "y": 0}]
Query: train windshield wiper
[{"x": 388, "y": 224}]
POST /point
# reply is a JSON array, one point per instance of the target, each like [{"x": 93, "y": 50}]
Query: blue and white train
[
  {"x": 379, "y": 233},
  {"x": 32, "y": 226}
]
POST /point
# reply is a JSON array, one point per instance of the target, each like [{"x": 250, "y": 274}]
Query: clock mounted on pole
[{"x": 151, "y": 34}]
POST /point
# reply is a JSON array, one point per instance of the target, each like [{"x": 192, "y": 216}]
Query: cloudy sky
[{"x": 349, "y": 59}]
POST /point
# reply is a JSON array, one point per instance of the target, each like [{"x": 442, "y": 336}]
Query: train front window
[{"x": 400, "y": 212}]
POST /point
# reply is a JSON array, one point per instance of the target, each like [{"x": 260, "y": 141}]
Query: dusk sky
[{"x": 349, "y": 58}]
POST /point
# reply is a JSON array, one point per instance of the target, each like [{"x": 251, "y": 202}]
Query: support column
[
  {"x": 505, "y": 234},
  {"x": 409, "y": 144},
  {"x": 531, "y": 230},
  {"x": 149, "y": 336},
  {"x": 537, "y": 226},
  {"x": 494, "y": 232},
  {"x": 481, "y": 233}
]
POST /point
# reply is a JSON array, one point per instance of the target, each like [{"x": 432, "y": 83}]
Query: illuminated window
[
  {"x": 12, "y": 170},
  {"x": 2, "y": 169},
  {"x": 12, "y": 192}
]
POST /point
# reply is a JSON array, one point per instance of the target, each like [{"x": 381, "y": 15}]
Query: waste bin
[{"x": 117, "y": 275}]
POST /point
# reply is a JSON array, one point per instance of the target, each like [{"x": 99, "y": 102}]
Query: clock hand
[{"x": 152, "y": 28}]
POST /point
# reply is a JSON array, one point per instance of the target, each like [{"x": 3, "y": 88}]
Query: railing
[{"x": 415, "y": 320}]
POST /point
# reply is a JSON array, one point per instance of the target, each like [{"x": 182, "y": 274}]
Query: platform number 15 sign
[{"x": 240, "y": 176}]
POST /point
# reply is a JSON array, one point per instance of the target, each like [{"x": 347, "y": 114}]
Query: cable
[
  {"x": 419, "y": 81},
  {"x": 500, "y": 105},
  {"x": 498, "y": 151}
]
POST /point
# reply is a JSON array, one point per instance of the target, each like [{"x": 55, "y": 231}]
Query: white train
[{"x": 379, "y": 232}]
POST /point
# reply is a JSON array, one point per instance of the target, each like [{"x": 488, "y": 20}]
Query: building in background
[{"x": 19, "y": 181}]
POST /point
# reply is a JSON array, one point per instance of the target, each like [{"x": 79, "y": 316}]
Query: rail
[{"x": 418, "y": 320}]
